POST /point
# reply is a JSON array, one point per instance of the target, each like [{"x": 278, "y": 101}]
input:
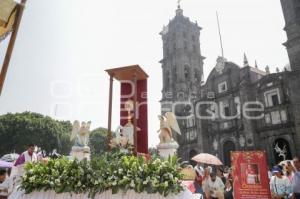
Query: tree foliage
[
  {"x": 98, "y": 141},
  {"x": 18, "y": 130}
]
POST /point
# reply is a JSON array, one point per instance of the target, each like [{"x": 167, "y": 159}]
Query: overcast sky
[{"x": 64, "y": 46}]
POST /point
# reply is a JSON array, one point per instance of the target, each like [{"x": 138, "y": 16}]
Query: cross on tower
[{"x": 178, "y": 2}]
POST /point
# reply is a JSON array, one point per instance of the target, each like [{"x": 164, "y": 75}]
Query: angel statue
[
  {"x": 281, "y": 152},
  {"x": 167, "y": 123},
  {"x": 81, "y": 133},
  {"x": 120, "y": 141}
]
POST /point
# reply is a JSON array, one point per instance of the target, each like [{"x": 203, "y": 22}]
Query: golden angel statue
[
  {"x": 168, "y": 123},
  {"x": 81, "y": 133}
]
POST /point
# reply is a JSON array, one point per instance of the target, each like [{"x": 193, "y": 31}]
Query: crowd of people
[
  {"x": 285, "y": 180},
  {"x": 210, "y": 182},
  {"x": 213, "y": 182},
  {"x": 217, "y": 182},
  {"x": 8, "y": 181}
]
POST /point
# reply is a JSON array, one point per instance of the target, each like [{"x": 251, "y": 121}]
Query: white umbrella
[
  {"x": 10, "y": 157},
  {"x": 207, "y": 159}
]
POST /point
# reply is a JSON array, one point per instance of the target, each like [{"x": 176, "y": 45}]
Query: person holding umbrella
[
  {"x": 198, "y": 184},
  {"x": 213, "y": 187}
]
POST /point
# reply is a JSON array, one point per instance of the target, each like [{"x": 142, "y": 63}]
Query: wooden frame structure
[
  {"x": 11, "y": 44},
  {"x": 132, "y": 73}
]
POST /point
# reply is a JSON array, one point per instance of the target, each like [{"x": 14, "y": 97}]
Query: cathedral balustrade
[{"x": 276, "y": 127}]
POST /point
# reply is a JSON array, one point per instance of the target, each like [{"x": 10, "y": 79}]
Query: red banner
[
  {"x": 142, "y": 112},
  {"x": 250, "y": 174}
]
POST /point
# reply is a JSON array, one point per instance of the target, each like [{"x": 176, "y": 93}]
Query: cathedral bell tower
[
  {"x": 182, "y": 63},
  {"x": 291, "y": 11},
  {"x": 182, "y": 72}
]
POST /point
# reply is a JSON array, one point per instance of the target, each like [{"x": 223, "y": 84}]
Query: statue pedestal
[
  {"x": 81, "y": 153},
  {"x": 167, "y": 149}
]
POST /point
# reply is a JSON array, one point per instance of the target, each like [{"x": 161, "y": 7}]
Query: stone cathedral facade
[{"x": 238, "y": 107}]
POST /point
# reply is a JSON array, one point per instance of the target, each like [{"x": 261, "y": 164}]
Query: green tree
[
  {"x": 98, "y": 141},
  {"x": 17, "y": 130}
]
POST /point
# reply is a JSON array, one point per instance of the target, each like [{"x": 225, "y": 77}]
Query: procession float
[{"x": 127, "y": 170}]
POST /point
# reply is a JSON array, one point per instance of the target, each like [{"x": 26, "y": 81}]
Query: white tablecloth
[{"x": 106, "y": 195}]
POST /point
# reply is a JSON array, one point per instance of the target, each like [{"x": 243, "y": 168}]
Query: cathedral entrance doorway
[
  {"x": 281, "y": 150},
  {"x": 228, "y": 146}
]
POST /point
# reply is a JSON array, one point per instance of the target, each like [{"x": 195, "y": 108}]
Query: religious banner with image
[{"x": 250, "y": 174}]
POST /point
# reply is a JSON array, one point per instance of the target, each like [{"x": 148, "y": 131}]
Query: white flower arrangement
[{"x": 115, "y": 171}]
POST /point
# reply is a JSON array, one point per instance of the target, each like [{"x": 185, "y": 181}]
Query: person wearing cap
[
  {"x": 296, "y": 179},
  {"x": 279, "y": 184}
]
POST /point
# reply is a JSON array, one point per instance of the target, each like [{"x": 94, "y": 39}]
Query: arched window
[
  {"x": 186, "y": 72},
  {"x": 175, "y": 73},
  {"x": 196, "y": 75},
  {"x": 168, "y": 79}
]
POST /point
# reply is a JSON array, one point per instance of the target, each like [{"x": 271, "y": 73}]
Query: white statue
[
  {"x": 281, "y": 152},
  {"x": 167, "y": 123},
  {"x": 119, "y": 140},
  {"x": 81, "y": 133},
  {"x": 123, "y": 137}
]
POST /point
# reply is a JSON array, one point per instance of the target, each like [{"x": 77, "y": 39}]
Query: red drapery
[{"x": 142, "y": 112}]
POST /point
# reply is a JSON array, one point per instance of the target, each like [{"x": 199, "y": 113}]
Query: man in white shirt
[
  {"x": 216, "y": 186},
  {"x": 279, "y": 184},
  {"x": 27, "y": 156}
]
